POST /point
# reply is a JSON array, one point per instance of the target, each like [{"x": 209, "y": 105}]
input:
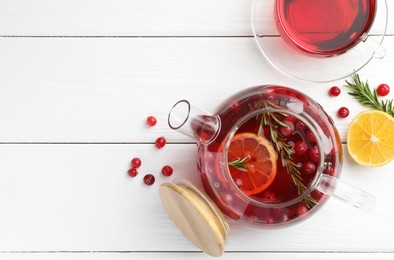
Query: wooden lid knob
[{"x": 196, "y": 216}]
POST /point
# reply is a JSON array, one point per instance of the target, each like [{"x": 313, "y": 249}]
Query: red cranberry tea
[
  {"x": 324, "y": 27},
  {"x": 273, "y": 158}
]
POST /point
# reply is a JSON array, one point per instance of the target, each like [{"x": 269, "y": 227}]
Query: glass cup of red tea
[
  {"x": 336, "y": 30},
  {"x": 269, "y": 156}
]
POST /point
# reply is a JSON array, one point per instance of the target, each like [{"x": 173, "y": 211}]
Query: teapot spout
[{"x": 194, "y": 122}]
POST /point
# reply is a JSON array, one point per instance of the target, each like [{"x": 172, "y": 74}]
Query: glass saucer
[{"x": 302, "y": 66}]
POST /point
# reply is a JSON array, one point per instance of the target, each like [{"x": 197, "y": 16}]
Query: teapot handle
[{"x": 338, "y": 189}]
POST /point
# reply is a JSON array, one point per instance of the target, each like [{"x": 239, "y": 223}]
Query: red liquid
[
  {"x": 324, "y": 27},
  {"x": 224, "y": 188}
]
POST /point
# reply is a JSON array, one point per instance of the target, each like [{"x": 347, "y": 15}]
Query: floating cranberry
[
  {"x": 291, "y": 118},
  {"x": 300, "y": 148},
  {"x": 286, "y": 131},
  {"x": 149, "y": 179},
  {"x": 302, "y": 210},
  {"x": 313, "y": 154},
  {"x": 383, "y": 90},
  {"x": 301, "y": 126},
  {"x": 343, "y": 112},
  {"x": 309, "y": 168},
  {"x": 269, "y": 197},
  {"x": 136, "y": 162},
  {"x": 310, "y": 136},
  {"x": 160, "y": 142},
  {"x": 167, "y": 170},
  {"x": 335, "y": 91},
  {"x": 330, "y": 170},
  {"x": 132, "y": 172},
  {"x": 151, "y": 120}
]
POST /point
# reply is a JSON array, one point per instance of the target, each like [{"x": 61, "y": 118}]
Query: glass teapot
[{"x": 269, "y": 155}]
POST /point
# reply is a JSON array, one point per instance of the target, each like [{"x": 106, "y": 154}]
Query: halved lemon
[
  {"x": 370, "y": 139},
  {"x": 259, "y": 168}
]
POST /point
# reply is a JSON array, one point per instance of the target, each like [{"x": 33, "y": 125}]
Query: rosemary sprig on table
[
  {"x": 363, "y": 94},
  {"x": 240, "y": 164},
  {"x": 285, "y": 152}
]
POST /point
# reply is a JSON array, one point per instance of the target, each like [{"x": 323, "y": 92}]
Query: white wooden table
[{"x": 77, "y": 80}]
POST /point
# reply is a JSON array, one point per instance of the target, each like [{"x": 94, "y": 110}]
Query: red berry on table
[
  {"x": 343, "y": 112},
  {"x": 167, "y": 170},
  {"x": 383, "y": 90},
  {"x": 300, "y": 148},
  {"x": 132, "y": 172},
  {"x": 136, "y": 162},
  {"x": 314, "y": 154},
  {"x": 335, "y": 91},
  {"x": 309, "y": 168},
  {"x": 151, "y": 120},
  {"x": 160, "y": 142},
  {"x": 149, "y": 179}
]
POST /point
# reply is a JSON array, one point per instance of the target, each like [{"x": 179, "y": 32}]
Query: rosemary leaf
[{"x": 362, "y": 93}]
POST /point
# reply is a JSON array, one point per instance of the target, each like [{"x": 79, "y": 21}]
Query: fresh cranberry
[
  {"x": 132, "y": 172},
  {"x": 136, "y": 162},
  {"x": 383, "y": 90},
  {"x": 151, "y": 120},
  {"x": 313, "y": 154},
  {"x": 167, "y": 170},
  {"x": 160, "y": 142},
  {"x": 291, "y": 118},
  {"x": 149, "y": 179},
  {"x": 335, "y": 91},
  {"x": 301, "y": 126},
  {"x": 300, "y": 148},
  {"x": 269, "y": 197},
  {"x": 309, "y": 168},
  {"x": 286, "y": 131},
  {"x": 343, "y": 112},
  {"x": 302, "y": 210},
  {"x": 330, "y": 170},
  {"x": 310, "y": 136}
]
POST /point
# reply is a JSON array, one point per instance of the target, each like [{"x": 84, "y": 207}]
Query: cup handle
[
  {"x": 373, "y": 47},
  {"x": 358, "y": 198}
]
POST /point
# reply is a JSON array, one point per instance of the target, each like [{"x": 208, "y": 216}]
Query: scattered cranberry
[
  {"x": 269, "y": 197},
  {"x": 309, "y": 168},
  {"x": 151, "y": 120},
  {"x": 167, "y": 170},
  {"x": 383, "y": 90},
  {"x": 313, "y": 154},
  {"x": 300, "y": 148},
  {"x": 132, "y": 172},
  {"x": 310, "y": 136},
  {"x": 343, "y": 112},
  {"x": 286, "y": 131},
  {"x": 302, "y": 210},
  {"x": 149, "y": 179},
  {"x": 160, "y": 142},
  {"x": 136, "y": 162},
  {"x": 335, "y": 91}
]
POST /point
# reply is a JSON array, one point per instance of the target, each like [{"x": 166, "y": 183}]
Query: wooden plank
[
  {"x": 133, "y": 18},
  {"x": 192, "y": 256},
  {"x": 79, "y": 198},
  {"x": 101, "y": 90}
]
